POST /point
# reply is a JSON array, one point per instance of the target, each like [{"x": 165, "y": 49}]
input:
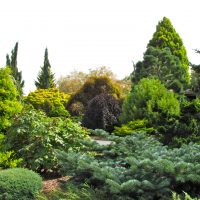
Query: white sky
[{"x": 85, "y": 34}]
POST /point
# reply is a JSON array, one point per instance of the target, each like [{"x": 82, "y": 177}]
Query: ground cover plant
[{"x": 135, "y": 167}]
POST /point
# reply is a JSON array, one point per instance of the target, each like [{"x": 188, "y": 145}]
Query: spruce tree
[
  {"x": 166, "y": 36},
  {"x": 45, "y": 77},
  {"x": 12, "y": 63}
]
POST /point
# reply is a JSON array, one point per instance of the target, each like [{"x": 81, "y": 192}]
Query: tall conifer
[
  {"x": 11, "y": 61},
  {"x": 45, "y": 77},
  {"x": 166, "y": 36},
  {"x": 165, "y": 58}
]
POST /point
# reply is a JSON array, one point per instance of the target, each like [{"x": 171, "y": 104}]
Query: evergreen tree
[
  {"x": 166, "y": 36},
  {"x": 12, "y": 63},
  {"x": 165, "y": 58},
  {"x": 161, "y": 64},
  {"x": 45, "y": 77},
  {"x": 195, "y": 77}
]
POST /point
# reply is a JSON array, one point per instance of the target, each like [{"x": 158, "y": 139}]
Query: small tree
[
  {"x": 45, "y": 77},
  {"x": 102, "y": 112},
  {"x": 8, "y": 99}
]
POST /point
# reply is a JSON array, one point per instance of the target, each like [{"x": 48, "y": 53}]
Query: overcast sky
[{"x": 85, "y": 34}]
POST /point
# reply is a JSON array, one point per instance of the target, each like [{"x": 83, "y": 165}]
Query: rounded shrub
[
  {"x": 51, "y": 101},
  {"x": 102, "y": 112},
  {"x": 19, "y": 183},
  {"x": 92, "y": 87}
]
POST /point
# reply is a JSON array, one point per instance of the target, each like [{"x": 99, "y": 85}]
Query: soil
[{"x": 52, "y": 184}]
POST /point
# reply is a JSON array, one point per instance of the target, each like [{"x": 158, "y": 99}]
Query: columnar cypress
[
  {"x": 12, "y": 63},
  {"x": 45, "y": 77}
]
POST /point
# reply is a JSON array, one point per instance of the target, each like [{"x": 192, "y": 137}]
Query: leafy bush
[
  {"x": 137, "y": 126},
  {"x": 92, "y": 87},
  {"x": 102, "y": 112},
  {"x": 6, "y": 158},
  {"x": 35, "y": 137},
  {"x": 152, "y": 101},
  {"x": 9, "y": 105},
  {"x": 19, "y": 183},
  {"x": 135, "y": 167},
  {"x": 51, "y": 101},
  {"x": 187, "y": 126}
]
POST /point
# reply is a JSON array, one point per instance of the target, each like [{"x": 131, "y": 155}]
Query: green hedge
[{"x": 19, "y": 184}]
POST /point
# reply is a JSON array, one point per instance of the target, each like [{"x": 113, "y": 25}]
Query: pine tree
[
  {"x": 166, "y": 36},
  {"x": 163, "y": 65},
  {"x": 12, "y": 63},
  {"x": 45, "y": 77}
]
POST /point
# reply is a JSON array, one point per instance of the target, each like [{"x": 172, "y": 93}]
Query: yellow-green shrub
[{"x": 51, "y": 101}]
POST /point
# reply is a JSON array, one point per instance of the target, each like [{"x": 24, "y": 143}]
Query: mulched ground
[{"x": 52, "y": 184}]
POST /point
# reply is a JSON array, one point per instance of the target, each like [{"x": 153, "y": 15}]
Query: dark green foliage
[
  {"x": 135, "y": 167},
  {"x": 9, "y": 105},
  {"x": 163, "y": 65},
  {"x": 166, "y": 36},
  {"x": 12, "y": 63},
  {"x": 45, "y": 77},
  {"x": 195, "y": 77},
  {"x": 137, "y": 126},
  {"x": 51, "y": 101},
  {"x": 92, "y": 87},
  {"x": 150, "y": 100},
  {"x": 187, "y": 127},
  {"x": 19, "y": 184},
  {"x": 35, "y": 137},
  {"x": 102, "y": 112}
]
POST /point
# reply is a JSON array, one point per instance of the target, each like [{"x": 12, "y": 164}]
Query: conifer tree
[
  {"x": 45, "y": 77},
  {"x": 195, "y": 77},
  {"x": 12, "y": 63},
  {"x": 166, "y": 36},
  {"x": 165, "y": 58}
]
